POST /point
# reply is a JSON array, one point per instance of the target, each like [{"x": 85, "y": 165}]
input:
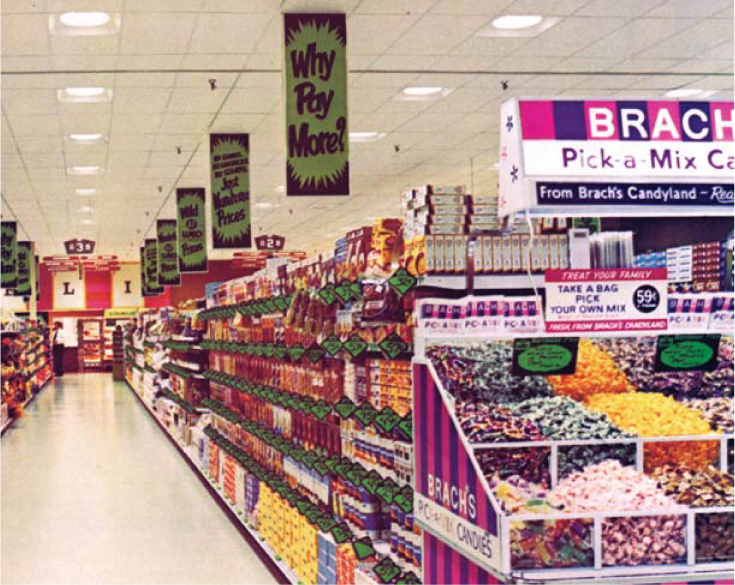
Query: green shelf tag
[
  {"x": 343, "y": 291},
  {"x": 387, "y": 490},
  {"x": 404, "y": 500},
  {"x": 296, "y": 351},
  {"x": 356, "y": 290},
  {"x": 386, "y": 570},
  {"x": 366, "y": 414},
  {"x": 332, "y": 345},
  {"x": 363, "y": 548},
  {"x": 393, "y": 346},
  {"x": 355, "y": 345},
  {"x": 328, "y": 294},
  {"x": 321, "y": 410},
  {"x": 371, "y": 482},
  {"x": 405, "y": 427},
  {"x": 280, "y": 351},
  {"x": 345, "y": 407},
  {"x": 269, "y": 350},
  {"x": 687, "y": 353},
  {"x": 315, "y": 353},
  {"x": 341, "y": 533},
  {"x": 402, "y": 281},
  {"x": 387, "y": 419}
]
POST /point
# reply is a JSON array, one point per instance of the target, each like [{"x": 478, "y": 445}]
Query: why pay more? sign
[
  {"x": 619, "y": 299},
  {"x": 603, "y": 152}
]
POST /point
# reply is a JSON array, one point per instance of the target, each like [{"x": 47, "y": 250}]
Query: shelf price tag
[
  {"x": 296, "y": 351},
  {"x": 363, "y": 548},
  {"x": 408, "y": 578},
  {"x": 545, "y": 356},
  {"x": 332, "y": 345},
  {"x": 355, "y": 474},
  {"x": 387, "y": 419},
  {"x": 343, "y": 291},
  {"x": 280, "y": 303},
  {"x": 321, "y": 469},
  {"x": 269, "y": 350},
  {"x": 387, "y": 490},
  {"x": 405, "y": 427},
  {"x": 687, "y": 353},
  {"x": 355, "y": 345},
  {"x": 392, "y": 346},
  {"x": 321, "y": 410},
  {"x": 365, "y": 414},
  {"x": 315, "y": 353},
  {"x": 402, "y": 281},
  {"x": 328, "y": 294},
  {"x": 331, "y": 464},
  {"x": 371, "y": 482},
  {"x": 345, "y": 407},
  {"x": 404, "y": 500},
  {"x": 280, "y": 351},
  {"x": 386, "y": 570},
  {"x": 341, "y": 533},
  {"x": 326, "y": 523},
  {"x": 305, "y": 406},
  {"x": 356, "y": 290}
]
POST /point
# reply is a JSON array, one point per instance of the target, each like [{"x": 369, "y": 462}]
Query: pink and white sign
[{"x": 619, "y": 299}]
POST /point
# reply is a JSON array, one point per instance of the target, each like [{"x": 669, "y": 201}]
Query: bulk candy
[
  {"x": 516, "y": 495},
  {"x": 714, "y": 537},
  {"x": 636, "y": 358},
  {"x": 650, "y": 415},
  {"x": 610, "y": 487},
  {"x": 530, "y": 463},
  {"x": 483, "y": 373},
  {"x": 485, "y": 423},
  {"x": 704, "y": 488},
  {"x": 561, "y": 418},
  {"x": 718, "y": 412},
  {"x": 576, "y": 457},
  {"x": 596, "y": 374}
]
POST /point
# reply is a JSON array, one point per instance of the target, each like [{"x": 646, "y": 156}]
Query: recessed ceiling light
[
  {"x": 87, "y": 221},
  {"x": 85, "y": 192},
  {"x": 85, "y": 170},
  {"x": 84, "y": 95},
  {"x": 430, "y": 90},
  {"x": 366, "y": 136},
  {"x": 86, "y": 208},
  {"x": 85, "y": 137},
  {"x": 84, "y": 19},
  {"x": 84, "y": 91},
  {"x": 264, "y": 205},
  {"x": 518, "y": 25},
  {"x": 687, "y": 92},
  {"x": 516, "y": 22},
  {"x": 281, "y": 189}
]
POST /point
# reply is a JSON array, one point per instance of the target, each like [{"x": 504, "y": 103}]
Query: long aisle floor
[{"x": 93, "y": 492}]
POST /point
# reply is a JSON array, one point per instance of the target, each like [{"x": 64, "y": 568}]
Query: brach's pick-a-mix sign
[{"x": 631, "y": 153}]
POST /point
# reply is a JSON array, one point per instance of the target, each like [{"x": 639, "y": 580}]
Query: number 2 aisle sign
[{"x": 616, "y": 299}]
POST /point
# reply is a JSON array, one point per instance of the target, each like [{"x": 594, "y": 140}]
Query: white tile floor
[{"x": 93, "y": 492}]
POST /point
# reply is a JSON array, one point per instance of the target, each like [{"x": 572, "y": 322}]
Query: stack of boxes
[
  {"x": 252, "y": 492},
  {"x": 679, "y": 264},
  {"x": 406, "y": 539},
  {"x": 385, "y": 233},
  {"x": 362, "y": 511},
  {"x": 214, "y": 457},
  {"x": 697, "y": 268},
  {"x": 389, "y": 384},
  {"x": 326, "y": 560},
  {"x": 228, "y": 477},
  {"x": 706, "y": 266},
  {"x": 346, "y": 564},
  {"x": 651, "y": 260}
]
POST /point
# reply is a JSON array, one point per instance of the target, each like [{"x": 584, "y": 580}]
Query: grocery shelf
[
  {"x": 261, "y": 548},
  {"x": 628, "y": 211},
  {"x": 10, "y": 421},
  {"x": 482, "y": 281}
]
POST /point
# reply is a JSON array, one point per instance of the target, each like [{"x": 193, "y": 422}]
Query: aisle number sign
[
  {"x": 317, "y": 140},
  {"x": 618, "y": 299},
  {"x": 560, "y": 153}
]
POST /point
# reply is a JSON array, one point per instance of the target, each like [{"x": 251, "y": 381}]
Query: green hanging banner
[
  {"x": 143, "y": 282},
  {"x": 151, "y": 267},
  {"x": 317, "y": 140},
  {"x": 9, "y": 237},
  {"x": 36, "y": 281},
  {"x": 230, "y": 163},
  {"x": 25, "y": 257},
  {"x": 168, "y": 258},
  {"x": 192, "y": 230}
]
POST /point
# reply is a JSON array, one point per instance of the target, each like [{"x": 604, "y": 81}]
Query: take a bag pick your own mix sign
[
  {"x": 317, "y": 139},
  {"x": 627, "y": 154}
]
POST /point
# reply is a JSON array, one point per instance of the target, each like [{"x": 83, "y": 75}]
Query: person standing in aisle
[{"x": 58, "y": 342}]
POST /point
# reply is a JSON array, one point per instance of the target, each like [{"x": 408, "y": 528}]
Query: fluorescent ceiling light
[
  {"x": 518, "y": 25},
  {"x": 84, "y": 19},
  {"x": 264, "y": 205},
  {"x": 86, "y": 208},
  {"x": 366, "y": 136},
  {"x": 85, "y": 192},
  {"x": 85, "y": 137},
  {"x": 84, "y": 91},
  {"x": 85, "y": 170},
  {"x": 84, "y": 95},
  {"x": 687, "y": 92},
  {"x": 87, "y": 221},
  {"x": 516, "y": 22},
  {"x": 281, "y": 189},
  {"x": 422, "y": 91}
]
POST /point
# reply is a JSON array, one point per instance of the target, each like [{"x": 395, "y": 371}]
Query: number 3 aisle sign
[{"x": 618, "y": 299}]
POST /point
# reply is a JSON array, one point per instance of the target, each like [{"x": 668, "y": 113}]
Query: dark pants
[{"x": 59, "y": 360}]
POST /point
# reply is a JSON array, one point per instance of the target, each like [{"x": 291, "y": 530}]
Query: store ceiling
[{"x": 159, "y": 64}]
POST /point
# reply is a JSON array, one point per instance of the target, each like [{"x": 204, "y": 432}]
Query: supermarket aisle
[{"x": 93, "y": 492}]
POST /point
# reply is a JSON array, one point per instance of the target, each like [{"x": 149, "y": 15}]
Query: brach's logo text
[{"x": 450, "y": 496}]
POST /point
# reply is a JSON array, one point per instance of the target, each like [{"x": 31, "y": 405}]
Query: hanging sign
[
  {"x": 616, "y": 299},
  {"x": 317, "y": 140},
  {"x": 270, "y": 242},
  {"x": 192, "y": 234},
  {"x": 230, "y": 162},
  {"x": 168, "y": 258},
  {"x": 69, "y": 291},
  {"x": 545, "y": 356},
  {"x": 151, "y": 266},
  {"x": 687, "y": 353},
  {"x": 610, "y": 152},
  {"x": 9, "y": 236},
  {"x": 143, "y": 281},
  {"x": 126, "y": 286},
  {"x": 25, "y": 257},
  {"x": 77, "y": 246}
]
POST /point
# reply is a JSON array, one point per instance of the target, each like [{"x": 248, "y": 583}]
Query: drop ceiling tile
[
  {"x": 252, "y": 6},
  {"x": 37, "y": 101},
  {"x": 130, "y": 100},
  {"x": 140, "y": 63},
  {"x": 696, "y": 40},
  {"x": 684, "y": 8},
  {"x": 195, "y": 100},
  {"x": 36, "y": 124},
  {"x": 486, "y": 8},
  {"x": 233, "y": 62},
  {"x": 544, "y": 7},
  {"x": 393, "y": 63},
  {"x": 368, "y": 100},
  {"x": 252, "y": 100},
  {"x": 664, "y": 82},
  {"x": 85, "y": 123},
  {"x": 627, "y": 8},
  {"x": 436, "y": 35},
  {"x": 695, "y": 66},
  {"x": 227, "y": 33},
  {"x": 584, "y": 65},
  {"x": 155, "y": 33},
  {"x": 131, "y": 142},
  {"x": 248, "y": 123},
  {"x": 394, "y": 81},
  {"x": 25, "y": 34},
  {"x": 346, "y": 6},
  {"x": 368, "y": 34},
  {"x": 96, "y": 109},
  {"x": 143, "y": 123},
  {"x": 25, "y": 65},
  {"x": 260, "y": 79},
  {"x": 169, "y": 142},
  {"x": 76, "y": 5},
  {"x": 23, "y": 6},
  {"x": 569, "y": 36},
  {"x": 489, "y": 46},
  {"x": 81, "y": 45},
  {"x": 465, "y": 63},
  {"x": 636, "y": 36},
  {"x": 132, "y": 6},
  {"x": 84, "y": 62},
  {"x": 223, "y": 81}
]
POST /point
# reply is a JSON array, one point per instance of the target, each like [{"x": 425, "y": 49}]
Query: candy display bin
[{"x": 465, "y": 498}]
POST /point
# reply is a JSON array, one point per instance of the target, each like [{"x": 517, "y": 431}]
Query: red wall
[{"x": 192, "y": 285}]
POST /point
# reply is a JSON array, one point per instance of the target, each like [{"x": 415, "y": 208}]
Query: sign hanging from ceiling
[
  {"x": 168, "y": 258},
  {"x": 143, "y": 274},
  {"x": 9, "y": 240},
  {"x": 126, "y": 286},
  {"x": 317, "y": 139},
  {"x": 270, "y": 242},
  {"x": 230, "y": 174},
  {"x": 192, "y": 230},
  {"x": 77, "y": 246},
  {"x": 635, "y": 154},
  {"x": 151, "y": 267},
  {"x": 69, "y": 290},
  {"x": 25, "y": 257}
]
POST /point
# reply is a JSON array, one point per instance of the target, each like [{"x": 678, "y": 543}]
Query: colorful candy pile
[
  {"x": 576, "y": 457},
  {"x": 718, "y": 412},
  {"x": 714, "y": 539},
  {"x": 596, "y": 374},
  {"x": 486, "y": 423},
  {"x": 562, "y": 418},
  {"x": 529, "y": 463},
  {"x": 482, "y": 373},
  {"x": 650, "y": 415},
  {"x": 516, "y": 495},
  {"x": 636, "y": 358},
  {"x": 703, "y": 488},
  {"x": 608, "y": 486},
  {"x": 539, "y": 544}
]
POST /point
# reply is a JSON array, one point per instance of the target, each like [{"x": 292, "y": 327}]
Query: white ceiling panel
[
  {"x": 570, "y": 36},
  {"x": 227, "y": 33},
  {"x": 156, "y": 33},
  {"x": 132, "y": 100},
  {"x": 373, "y": 33},
  {"x": 436, "y": 35},
  {"x": 25, "y": 34}
]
